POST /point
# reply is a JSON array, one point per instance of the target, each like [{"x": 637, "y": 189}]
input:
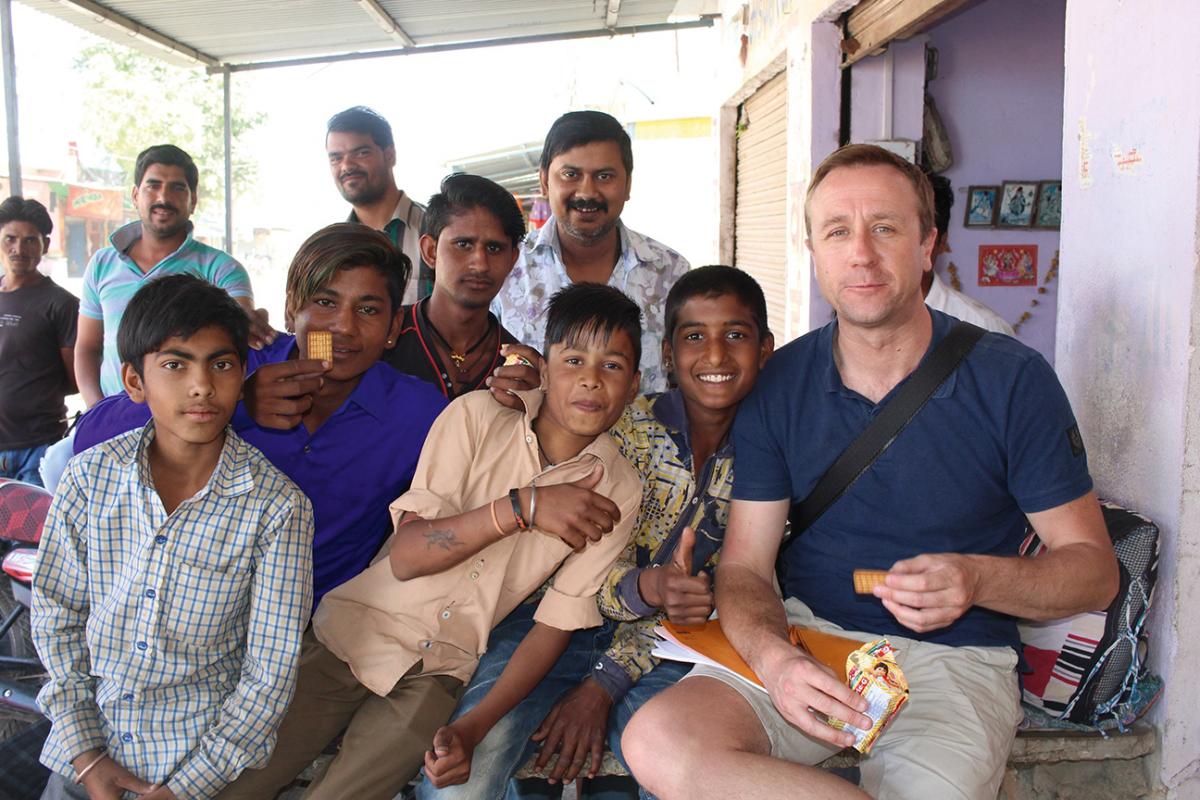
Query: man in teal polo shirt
[{"x": 160, "y": 244}]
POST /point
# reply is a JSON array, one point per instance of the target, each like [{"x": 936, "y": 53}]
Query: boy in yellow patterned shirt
[{"x": 716, "y": 341}]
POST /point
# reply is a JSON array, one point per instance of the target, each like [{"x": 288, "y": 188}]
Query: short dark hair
[
  {"x": 583, "y": 310},
  {"x": 178, "y": 305},
  {"x": 18, "y": 209},
  {"x": 577, "y": 128},
  {"x": 345, "y": 245},
  {"x": 462, "y": 192},
  {"x": 943, "y": 201},
  {"x": 870, "y": 155},
  {"x": 170, "y": 155},
  {"x": 361, "y": 119},
  {"x": 714, "y": 281}
]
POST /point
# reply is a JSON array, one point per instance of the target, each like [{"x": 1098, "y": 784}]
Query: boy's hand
[
  {"x": 261, "y": 332},
  {"x": 575, "y": 513},
  {"x": 515, "y": 377},
  {"x": 108, "y": 780},
  {"x": 160, "y": 793},
  {"x": 279, "y": 395},
  {"x": 449, "y": 762},
  {"x": 687, "y": 598},
  {"x": 575, "y": 725}
]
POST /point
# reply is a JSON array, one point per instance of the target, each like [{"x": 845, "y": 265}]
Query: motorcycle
[{"x": 23, "y": 509}]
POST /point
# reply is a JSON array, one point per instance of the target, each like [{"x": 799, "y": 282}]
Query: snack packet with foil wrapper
[
  {"x": 869, "y": 669},
  {"x": 872, "y": 671}
]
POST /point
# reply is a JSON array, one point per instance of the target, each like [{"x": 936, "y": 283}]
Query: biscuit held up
[{"x": 320, "y": 345}]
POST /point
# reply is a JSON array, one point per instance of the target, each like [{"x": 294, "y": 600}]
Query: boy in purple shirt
[{"x": 348, "y": 280}]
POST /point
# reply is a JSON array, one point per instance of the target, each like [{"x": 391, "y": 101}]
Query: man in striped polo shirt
[{"x": 159, "y": 244}]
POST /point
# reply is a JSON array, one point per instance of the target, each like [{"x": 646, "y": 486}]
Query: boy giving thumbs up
[{"x": 678, "y": 441}]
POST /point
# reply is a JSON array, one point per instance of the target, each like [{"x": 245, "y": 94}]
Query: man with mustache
[
  {"x": 37, "y": 341},
  {"x": 586, "y": 171},
  {"x": 159, "y": 244},
  {"x": 362, "y": 155}
]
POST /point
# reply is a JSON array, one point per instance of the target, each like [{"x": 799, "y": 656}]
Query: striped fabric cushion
[{"x": 1083, "y": 669}]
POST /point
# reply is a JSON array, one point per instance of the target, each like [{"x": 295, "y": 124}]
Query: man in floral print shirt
[{"x": 586, "y": 172}]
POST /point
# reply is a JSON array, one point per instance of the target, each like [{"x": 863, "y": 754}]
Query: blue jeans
[
  {"x": 22, "y": 464},
  {"x": 507, "y": 745}
]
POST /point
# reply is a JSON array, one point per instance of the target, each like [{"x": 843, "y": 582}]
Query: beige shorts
[{"x": 951, "y": 740}]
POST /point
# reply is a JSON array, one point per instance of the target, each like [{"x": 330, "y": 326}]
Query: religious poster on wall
[{"x": 1008, "y": 265}]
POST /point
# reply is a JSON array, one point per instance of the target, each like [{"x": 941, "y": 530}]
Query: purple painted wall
[
  {"x": 871, "y": 102},
  {"x": 1129, "y": 331},
  {"x": 1000, "y": 94}
]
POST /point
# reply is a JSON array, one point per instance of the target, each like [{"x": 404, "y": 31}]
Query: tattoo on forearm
[{"x": 443, "y": 539}]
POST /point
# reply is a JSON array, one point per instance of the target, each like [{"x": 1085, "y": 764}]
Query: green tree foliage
[{"x": 134, "y": 101}]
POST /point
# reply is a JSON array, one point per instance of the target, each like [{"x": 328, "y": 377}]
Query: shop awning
[{"x": 244, "y": 34}]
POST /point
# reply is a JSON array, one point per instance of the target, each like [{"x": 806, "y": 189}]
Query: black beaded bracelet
[{"x": 515, "y": 499}]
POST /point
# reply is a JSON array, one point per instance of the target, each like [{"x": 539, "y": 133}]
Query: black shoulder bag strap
[{"x": 887, "y": 425}]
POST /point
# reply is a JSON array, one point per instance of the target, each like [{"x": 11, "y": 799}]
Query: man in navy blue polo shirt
[{"x": 943, "y": 511}]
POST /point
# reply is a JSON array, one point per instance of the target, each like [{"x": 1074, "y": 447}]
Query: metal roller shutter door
[{"x": 760, "y": 210}]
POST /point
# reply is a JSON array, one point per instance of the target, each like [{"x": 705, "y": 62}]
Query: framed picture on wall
[
  {"x": 1008, "y": 265},
  {"x": 1017, "y": 201},
  {"x": 1049, "y": 205},
  {"x": 981, "y": 206}
]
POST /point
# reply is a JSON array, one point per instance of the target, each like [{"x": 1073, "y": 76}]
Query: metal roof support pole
[
  {"x": 225, "y": 80},
  {"x": 10, "y": 97}
]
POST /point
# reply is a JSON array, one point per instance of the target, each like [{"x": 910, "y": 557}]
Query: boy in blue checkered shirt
[{"x": 175, "y": 574}]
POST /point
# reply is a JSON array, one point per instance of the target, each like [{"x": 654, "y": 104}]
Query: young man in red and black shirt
[{"x": 469, "y": 236}]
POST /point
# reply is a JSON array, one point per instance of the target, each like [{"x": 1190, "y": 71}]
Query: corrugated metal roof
[
  {"x": 240, "y": 32},
  {"x": 515, "y": 168}
]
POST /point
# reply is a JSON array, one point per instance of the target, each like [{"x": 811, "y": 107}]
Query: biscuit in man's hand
[
  {"x": 320, "y": 345},
  {"x": 865, "y": 580}
]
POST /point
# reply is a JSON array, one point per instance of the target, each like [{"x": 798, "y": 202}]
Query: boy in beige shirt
[{"x": 502, "y": 500}]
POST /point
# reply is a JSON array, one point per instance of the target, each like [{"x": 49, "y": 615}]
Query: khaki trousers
[
  {"x": 950, "y": 741},
  {"x": 385, "y": 741}
]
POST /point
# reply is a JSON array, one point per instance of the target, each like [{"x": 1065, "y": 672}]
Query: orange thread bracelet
[{"x": 496, "y": 520}]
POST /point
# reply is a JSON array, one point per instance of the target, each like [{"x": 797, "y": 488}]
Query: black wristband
[{"x": 515, "y": 499}]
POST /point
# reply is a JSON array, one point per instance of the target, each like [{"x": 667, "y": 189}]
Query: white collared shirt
[
  {"x": 645, "y": 271},
  {"x": 950, "y": 301}
]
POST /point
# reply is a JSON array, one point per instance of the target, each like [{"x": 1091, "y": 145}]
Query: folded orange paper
[{"x": 709, "y": 640}]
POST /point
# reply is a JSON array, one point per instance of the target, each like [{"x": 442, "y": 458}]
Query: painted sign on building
[{"x": 84, "y": 202}]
